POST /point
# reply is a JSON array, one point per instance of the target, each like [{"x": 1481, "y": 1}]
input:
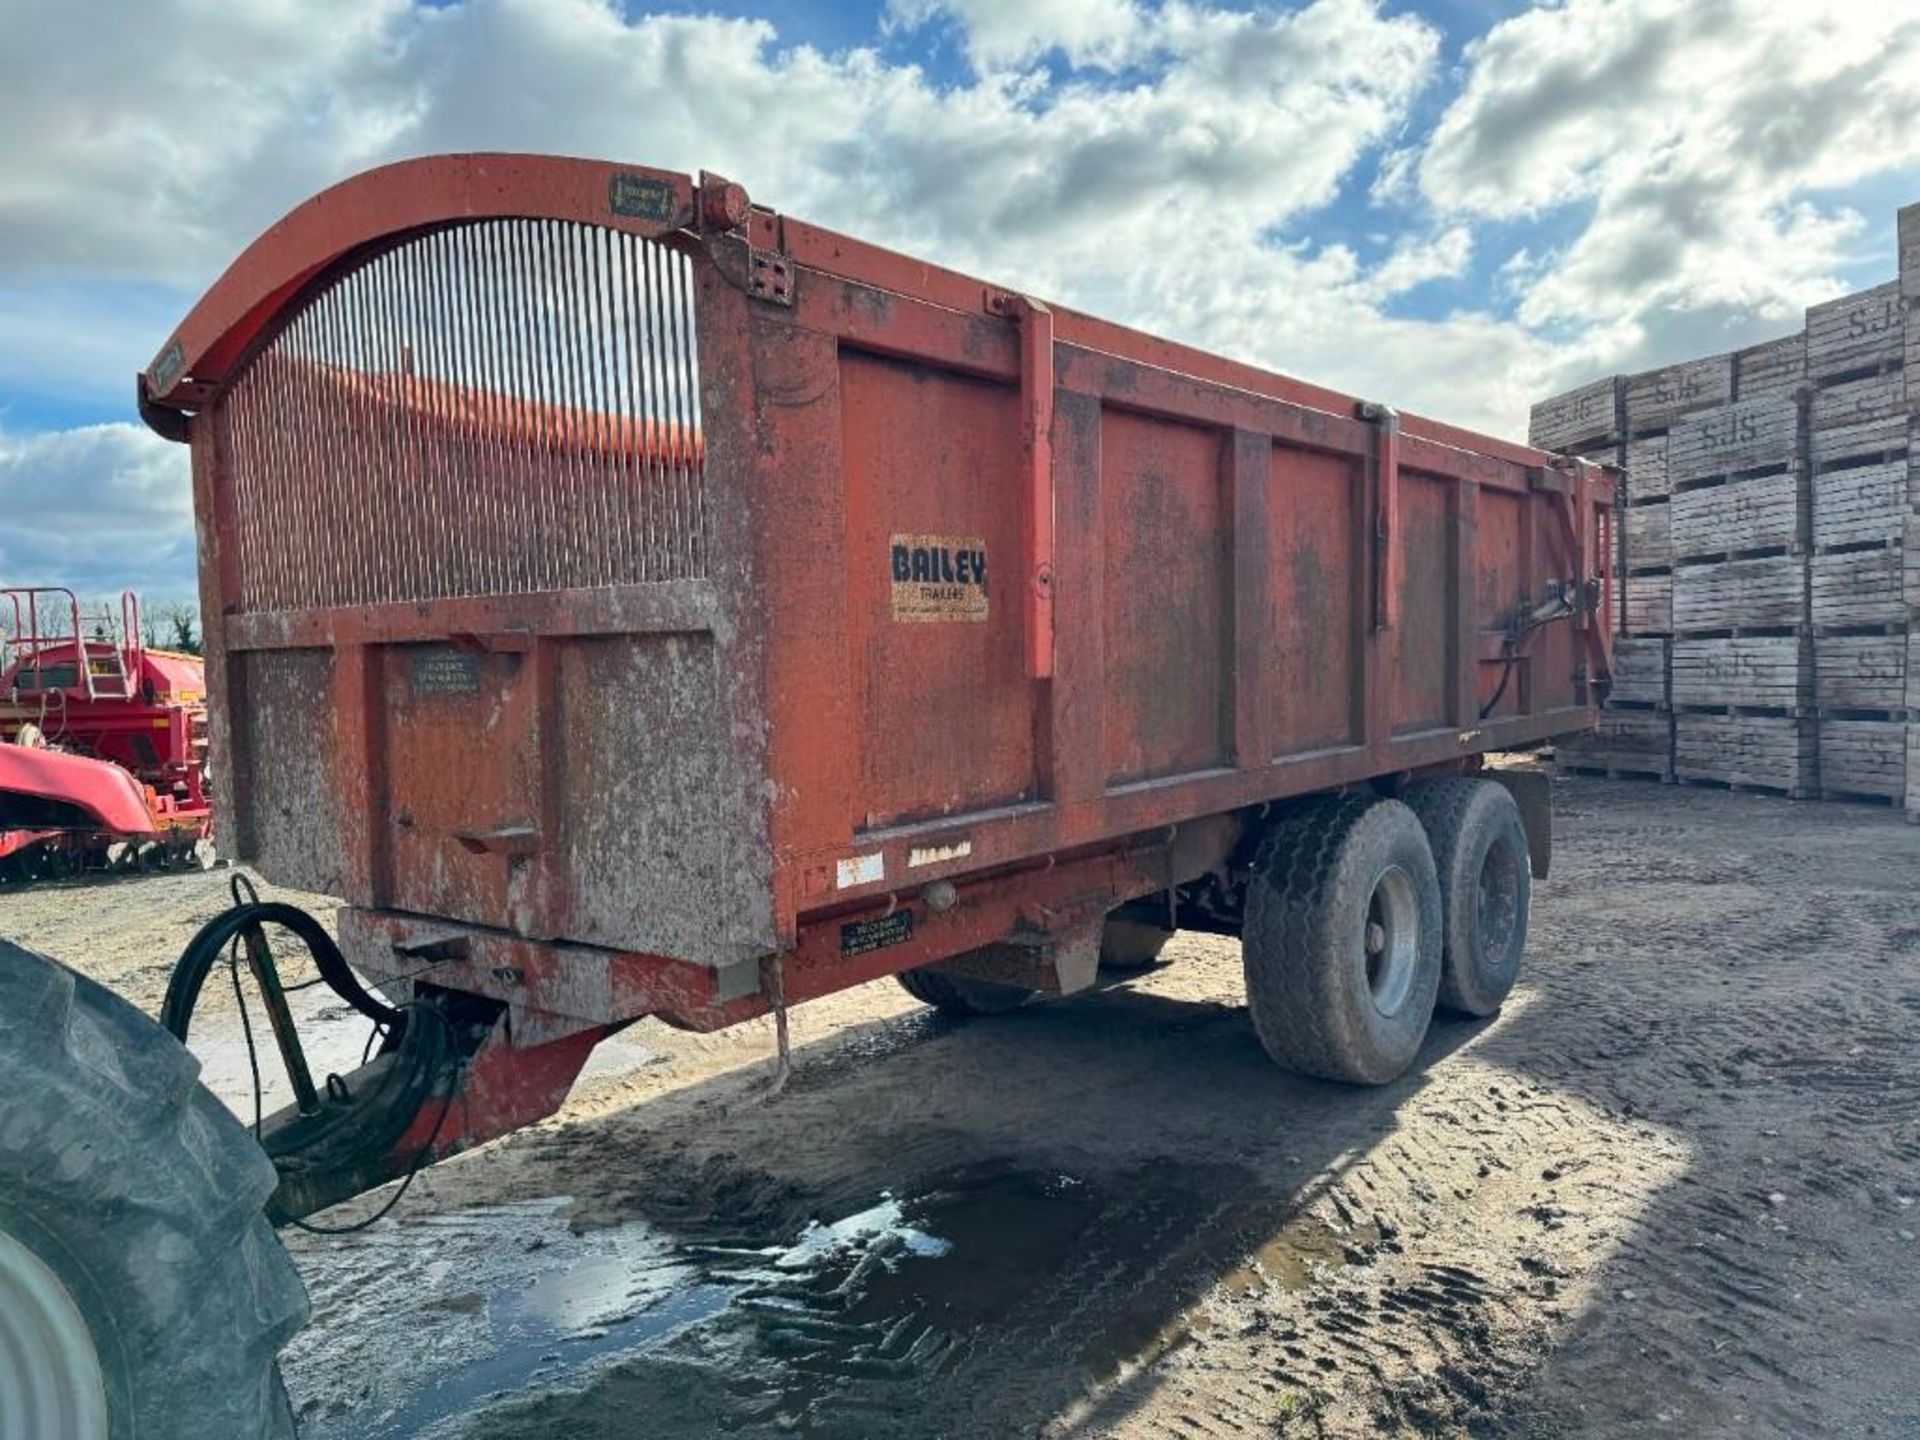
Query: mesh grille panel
[{"x": 496, "y": 408}]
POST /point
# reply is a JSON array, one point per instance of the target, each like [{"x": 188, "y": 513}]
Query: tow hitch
[{"x": 441, "y": 1072}]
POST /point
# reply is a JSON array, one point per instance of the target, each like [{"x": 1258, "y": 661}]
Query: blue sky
[{"x": 1457, "y": 205}]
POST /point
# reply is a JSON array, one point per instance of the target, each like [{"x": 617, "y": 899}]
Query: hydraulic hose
[{"x": 203, "y": 952}]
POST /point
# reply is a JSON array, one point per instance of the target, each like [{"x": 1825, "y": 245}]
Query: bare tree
[{"x": 178, "y": 624}]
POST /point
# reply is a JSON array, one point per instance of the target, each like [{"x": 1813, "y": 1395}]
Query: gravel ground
[{"x": 1670, "y": 1190}]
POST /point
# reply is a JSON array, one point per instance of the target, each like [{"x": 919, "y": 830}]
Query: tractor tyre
[
  {"x": 1128, "y": 945},
  {"x": 1342, "y": 938},
  {"x": 1486, "y": 885},
  {"x": 143, "y": 1295},
  {"x": 961, "y": 995}
]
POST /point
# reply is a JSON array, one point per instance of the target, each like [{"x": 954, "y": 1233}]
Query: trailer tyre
[
  {"x": 1342, "y": 939},
  {"x": 143, "y": 1295},
  {"x": 1486, "y": 885},
  {"x": 960, "y": 994}
]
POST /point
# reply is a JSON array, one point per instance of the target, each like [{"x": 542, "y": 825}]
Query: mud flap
[
  {"x": 1533, "y": 793},
  {"x": 1051, "y": 964}
]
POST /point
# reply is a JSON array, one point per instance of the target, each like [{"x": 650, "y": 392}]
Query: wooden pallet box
[
  {"x": 1910, "y": 573},
  {"x": 1858, "y": 442},
  {"x": 1647, "y": 603},
  {"x": 1913, "y": 773},
  {"x": 1909, "y": 232},
  {"x": 1757, "y": 512},
  {"x": 1860, "y": 505},
  {"x": 1640, "y": 671},
  {"x": 1851, "y": 402},
  {"x": 1773, "y": 752},
  {"x": 1584, "y": 417},
  {"x": 1647, "y": 474},
  {"x": 1655, "y": 399},
  {"x": 1727, "y": 439},
  {"x": 1760, "y": 594},
  {"x": 1649, "y": 536},
  {"x": 1864, "y": 757},
  {"x": 1757, "y": 671},
  {"x": 1856, "y": 332},
  {"x": 1773, "y": 370},
  {"x": 1855, "y": 589},
  {"x": 1635, "y": 742},
  {"x": 1861, "y": 672}
]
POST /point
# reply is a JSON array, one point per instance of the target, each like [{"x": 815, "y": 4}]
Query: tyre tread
[
  {"x": 1293, "y": 993},
  {"x": 1446, "y": 808},
  {"x": 169, "y": 1168}
]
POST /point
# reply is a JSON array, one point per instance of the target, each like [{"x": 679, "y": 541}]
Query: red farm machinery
[
  {"x": 631, "y": 601},
  {"x": 83, "y": 683}
]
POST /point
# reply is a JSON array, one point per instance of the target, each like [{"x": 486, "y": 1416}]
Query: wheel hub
[
  {"x": 1392, "y": 940},
  {"x": 50, "y": 1382},
  {"x": 1498, "y": 903}
]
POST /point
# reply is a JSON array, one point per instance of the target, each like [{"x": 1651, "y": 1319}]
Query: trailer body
[{"x": 632, "y": 601}]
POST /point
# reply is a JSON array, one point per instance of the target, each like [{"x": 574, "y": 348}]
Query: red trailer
[
  {"x": 637, "y": 602},
  {"x": 634, "y": 602}
]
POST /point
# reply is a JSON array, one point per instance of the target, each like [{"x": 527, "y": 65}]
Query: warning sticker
[
  {"x": 939, "y": 577},
  {"x": 861, "y": 870},
  {"x": 862, "y": 936}
]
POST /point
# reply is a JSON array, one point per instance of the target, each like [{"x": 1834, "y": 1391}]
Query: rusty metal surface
[{"x": 977, "y": 595}]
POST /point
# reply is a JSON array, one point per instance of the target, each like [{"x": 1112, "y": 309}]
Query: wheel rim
[
  {"x": 1392, "y": 941},
  {"x": 50, "y": 1381},
  {"x": 1498, "y": 902}
]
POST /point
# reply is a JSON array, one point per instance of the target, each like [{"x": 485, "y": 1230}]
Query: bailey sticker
[{"x": 938, "y": 577}]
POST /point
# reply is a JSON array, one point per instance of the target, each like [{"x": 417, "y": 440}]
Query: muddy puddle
[{"x": 514, "y": 1322}]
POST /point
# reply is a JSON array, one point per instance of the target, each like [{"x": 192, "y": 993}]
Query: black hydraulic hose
[
  {"x": 1506, "y": 674},
  {"x": 204, "y": 951}
]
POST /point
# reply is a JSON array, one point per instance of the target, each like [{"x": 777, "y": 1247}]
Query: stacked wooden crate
[
  {"x": 1742, "y": 652},
  {"x": 1635, "y": 734},
  {"x": 1652, "y": 404},
  {"x": 1910, "y": 548},
  {"x": 1770, "y": 563},
  {"x": 1857, "y": 445}
]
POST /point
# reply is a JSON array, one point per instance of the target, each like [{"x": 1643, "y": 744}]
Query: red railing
[{"x": 104, "y": 666}]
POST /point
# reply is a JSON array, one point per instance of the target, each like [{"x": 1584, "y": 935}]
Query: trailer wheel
[
  {"x": 1128, "y": 945},
  {"x": 1486, "y": 885},
  {"x": 143, "y": 1295},
  {"x": 1342, "y": 939},
  {"x": 960, "y": 994}
]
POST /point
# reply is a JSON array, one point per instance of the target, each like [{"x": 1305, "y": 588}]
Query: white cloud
[
  {"x": 1701, "y": 133},
  {"x": 142, "y": 143},
  {"x": 98, "y": 509},
  {"x": 1009, "y": 32},
  {"x": 1417, "y": 260}
]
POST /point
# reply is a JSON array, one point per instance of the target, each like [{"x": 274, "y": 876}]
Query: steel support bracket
[
  {"x": 770, "y": 277},
  {"x": 1385, "y": 421},
  {"x": 1036, "y": 433}
]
